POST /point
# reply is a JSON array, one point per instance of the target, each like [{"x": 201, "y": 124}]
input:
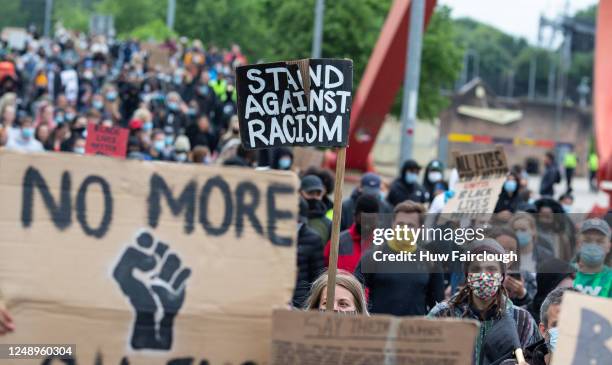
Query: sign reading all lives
[{"x": 277, "y": 108}]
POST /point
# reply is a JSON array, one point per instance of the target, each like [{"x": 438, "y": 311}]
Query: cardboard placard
[
  {"x": 158, "y": 56},
  {"x": 473, "y": 198},
  {"x": 144, "y": 263},
  {"x": 276, "y": 108},
  {"x": 15, "y": 37},
  {"x": 305, "y": 157},
  {"x": 327, "y": 338},
  {"x": 481, "y": 177},
  {"x": 585, "y": 330},
  {"x": 106, "y": 141},
  {"x": 481, "y": 163}
]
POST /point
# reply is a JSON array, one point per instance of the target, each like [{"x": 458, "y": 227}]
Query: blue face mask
[
  {"x": 284, "y": 163},
  {"x": 553, "y": 336},
  {"x": 524, "y": 238},
  {"x": 410, "y": 177},
  {"x": 204, "y": 90},
  {"x": 111, "y": 96},
  {"x": 159, "y": 145},
  {"x": 69, "y": 116},
  {"x": 98, "y": 104},
  {"x": 173, "y": 106},
  {"x": 169, "y": 140},
  {"x": 566, "y": 208},
  {"x": 147, "y": 127},
  {"x": 592, "y": 254},
  {"x": 59, "y": 119},
  {"x": 27, "y": 133},
  {"x": 510, "y": 186},
  {"x": 79, "y": 150}
]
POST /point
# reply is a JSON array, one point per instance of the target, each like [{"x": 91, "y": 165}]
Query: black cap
[
  {"x": 411, "y": 165},
  {"x": 311, "y": 183}
]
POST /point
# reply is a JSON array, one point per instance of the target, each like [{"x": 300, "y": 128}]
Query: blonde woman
[{"x": 349, "y": 296}]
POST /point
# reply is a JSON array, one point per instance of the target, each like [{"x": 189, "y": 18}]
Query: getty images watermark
[
  {"x": 416, "y": 243},
  {"x": 404, "y": 235}
]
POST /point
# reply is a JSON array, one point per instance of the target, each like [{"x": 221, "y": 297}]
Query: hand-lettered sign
[
  {"x": 106, "y": 141},
  {"x": 481, "y": 177},
  {"x": 329, "y": 338},
  {"x": 143, "y": 262},
  {"x": 295, "y": 103}
]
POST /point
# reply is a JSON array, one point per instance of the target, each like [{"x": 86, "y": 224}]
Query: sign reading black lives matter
[{"x": 278, "y": 106}]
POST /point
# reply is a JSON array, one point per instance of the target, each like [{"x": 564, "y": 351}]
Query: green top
[
  {"x": 597, "y": 284},
  {"x": 593, "y": 162},
  {"x": 570, "y": 160}
]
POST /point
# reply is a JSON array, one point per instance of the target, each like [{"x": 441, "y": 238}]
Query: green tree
[{"x": 440, "y": 65}]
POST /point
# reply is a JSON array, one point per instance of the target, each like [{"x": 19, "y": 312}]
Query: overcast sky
[{"x": 516, "y": 17}]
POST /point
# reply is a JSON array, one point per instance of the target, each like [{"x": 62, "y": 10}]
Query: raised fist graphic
[{"x": 154, "y": 281}]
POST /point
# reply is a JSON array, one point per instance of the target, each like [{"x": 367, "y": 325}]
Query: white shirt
[{"x": 18, "y": 143}]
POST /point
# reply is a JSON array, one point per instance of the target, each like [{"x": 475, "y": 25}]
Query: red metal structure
[
  {"x": 380, "y": 83},
  {"x": 602, "y": 93}
]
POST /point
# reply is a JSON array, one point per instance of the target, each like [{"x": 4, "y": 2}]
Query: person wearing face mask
[
  {"x": 181, "y": 149},
  {"x": 503, "y": 326},
  {"x": 370, "y": 184},
  {"x": 79, "y": 146},
  {"x": 24, "y": 140},
  {"x": 349, "y": 296},
  {"x": 172, "y": 114},
  {"x": 406, "y": 186},
  {"x": 358, "y": 234},
  {"x": 282, "y": 158},
  {"x": 204, "y": 94},
  {"x": 311, "y": 190},
  {"x": 401, "y": 288},
  {"x": 159, "y": 150},
  {"x": 509, "y": 197},
  {"x": 434, "y": 173},
  {"x": 594, "y": 276},
  {"x": 111, "y": 105},
  {"x": 533, "y": 249},
  {"x": 566, "y": 200},
  {"x": 541, "y": 352}
]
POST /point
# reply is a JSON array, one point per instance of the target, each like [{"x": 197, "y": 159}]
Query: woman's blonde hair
[{"x": 346, "y": 280}]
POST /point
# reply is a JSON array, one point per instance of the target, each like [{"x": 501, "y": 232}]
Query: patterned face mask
[{"x": 484, "y": 284}]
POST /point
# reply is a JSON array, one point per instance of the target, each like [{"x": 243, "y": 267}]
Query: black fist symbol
[{"x": 154, "y": 281}]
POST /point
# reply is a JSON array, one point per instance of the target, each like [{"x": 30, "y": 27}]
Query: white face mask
[{"x": 434, "y": 176}]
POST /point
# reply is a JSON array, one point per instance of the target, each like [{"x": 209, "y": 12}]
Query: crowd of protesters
[
  {"x": 517, "y": 304},
  {"x": 179, "y": 110},
  {"x": 185, "y": 111}
]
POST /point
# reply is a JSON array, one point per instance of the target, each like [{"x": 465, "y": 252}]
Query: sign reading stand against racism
[
  {"x": 295, "y": 103},
  {"x": 300, "y": 103}
]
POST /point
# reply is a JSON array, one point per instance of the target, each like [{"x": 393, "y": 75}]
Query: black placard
[{"x": 275, "y": 109}]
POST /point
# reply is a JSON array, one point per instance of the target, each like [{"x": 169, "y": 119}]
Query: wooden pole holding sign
[
  {"x": 300, "y": 103},
  {"x": 333, "y": 251}
]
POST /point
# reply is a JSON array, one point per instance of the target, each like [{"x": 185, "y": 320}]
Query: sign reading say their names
[
  {"x": 144, "y": 263},
  {"x": 315, "y": 337},
  {"x": 295, "y": 103}
]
